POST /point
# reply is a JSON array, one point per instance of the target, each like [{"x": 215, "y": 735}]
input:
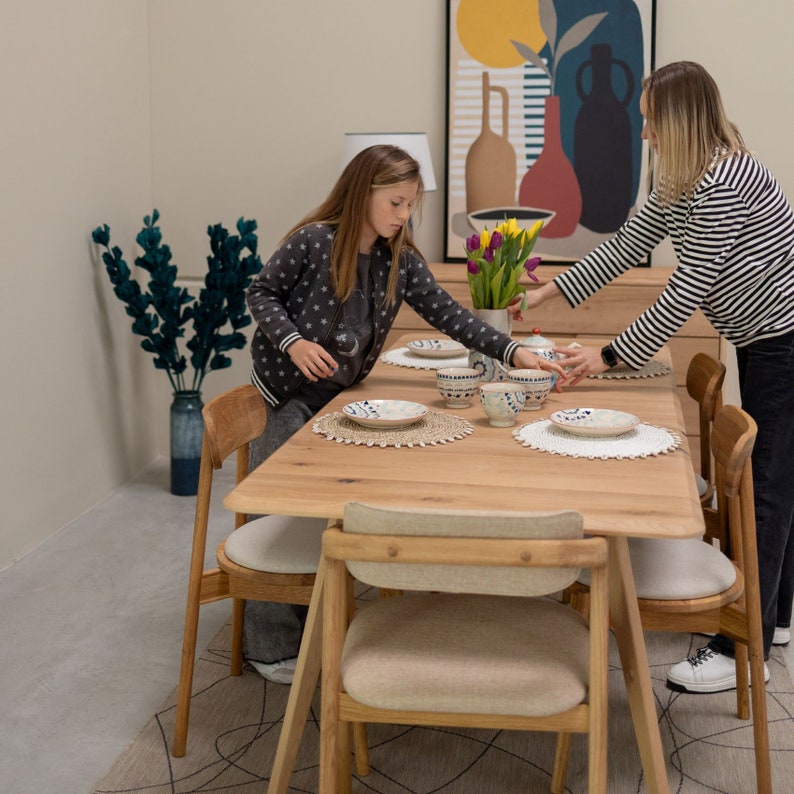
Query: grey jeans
[{"x": 273, "y": 631}]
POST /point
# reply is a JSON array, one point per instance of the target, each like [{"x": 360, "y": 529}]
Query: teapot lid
[{"x": 536, "y": 340}]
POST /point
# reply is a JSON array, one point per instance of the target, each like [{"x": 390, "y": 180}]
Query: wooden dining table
[{"x": 489, "y": 469}]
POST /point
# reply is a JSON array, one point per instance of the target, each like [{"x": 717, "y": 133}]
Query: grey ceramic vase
[{"x": 187, "y": 432}]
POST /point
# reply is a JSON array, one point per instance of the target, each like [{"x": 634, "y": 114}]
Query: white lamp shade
[{"x": 415, "y": 143}]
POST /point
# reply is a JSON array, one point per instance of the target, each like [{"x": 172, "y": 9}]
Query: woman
[
  {"x": 733, "y": 234},
  {"x": 324, "y": 304}
]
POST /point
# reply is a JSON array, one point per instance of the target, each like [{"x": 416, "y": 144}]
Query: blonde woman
[{"x": 733, "y": 234}]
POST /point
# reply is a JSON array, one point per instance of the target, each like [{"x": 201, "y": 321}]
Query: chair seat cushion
[
  {"x": 672, "y": 569},
  {"x": 701, "y": 484},
  {"x": 445, "y": 652},
  {"x": 280, "y": 544}
]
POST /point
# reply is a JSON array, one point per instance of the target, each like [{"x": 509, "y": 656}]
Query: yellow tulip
[
  {"x": 512, "y": 227},
  {"x": 485, "y": 238}
]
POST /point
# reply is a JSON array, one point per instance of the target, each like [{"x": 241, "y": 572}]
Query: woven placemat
[
  {"x": 642, "y": 442},
  {"x": 434, "y": 428},
  {"x": 403, "y": 357},
  {"x": 652, "y": 369}
]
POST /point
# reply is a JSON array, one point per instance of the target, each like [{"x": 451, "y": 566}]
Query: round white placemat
[
  {"x": 641, "y": 442},
  {"x": 403, "y": 357},
  {"x": 435, "y": 428},
  {"x": 652, "y": 369}
]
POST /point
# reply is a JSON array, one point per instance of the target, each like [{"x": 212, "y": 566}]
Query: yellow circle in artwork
[{"x": 486, "y": 27}]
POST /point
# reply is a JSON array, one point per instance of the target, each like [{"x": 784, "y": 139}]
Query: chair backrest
[
  {"x": 539, "y": 564},
  {"x": 733, "y": 436},
  {"x": 232, "y": 419},
  {"x": 704, "y": 379}
]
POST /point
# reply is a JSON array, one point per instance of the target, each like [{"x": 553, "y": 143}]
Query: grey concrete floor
[{"x": 92, "y": 633}]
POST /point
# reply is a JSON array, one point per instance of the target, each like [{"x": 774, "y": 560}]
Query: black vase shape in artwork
[{"x": 602, "y": 146}]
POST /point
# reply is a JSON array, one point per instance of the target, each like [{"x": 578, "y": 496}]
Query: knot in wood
[
  {"x": 392, "y": 551},
  {"x": 526, "y": 556}
]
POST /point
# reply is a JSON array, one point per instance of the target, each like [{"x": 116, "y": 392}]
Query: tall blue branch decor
[{"x": 161, "y": 313}]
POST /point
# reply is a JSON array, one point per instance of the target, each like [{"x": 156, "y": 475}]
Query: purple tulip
[
  {"x": 530, "y": 265},
  {"x": 473, "y": 242},
  {"x": 496, "y": 241},
  {"x": 473, "y": 267},
  {"x": 487, "y": 254}
]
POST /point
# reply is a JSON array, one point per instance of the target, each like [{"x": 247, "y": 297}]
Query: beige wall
[{"x": 209, "y": 111}]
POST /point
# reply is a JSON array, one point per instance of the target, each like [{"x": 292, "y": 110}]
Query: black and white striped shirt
[{"x": 734, "y": 241}]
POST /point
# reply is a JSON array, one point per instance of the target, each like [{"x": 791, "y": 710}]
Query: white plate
[
  {"x": 437, "y": 348},
  {"x": 594, "y": 421},
  {"x": 385, "y": 413}
]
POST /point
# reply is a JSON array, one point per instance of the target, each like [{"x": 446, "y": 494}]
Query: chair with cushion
[
  {"x": 690, "y": 586},
  {"x": 704, "y": 378},
  {"x": 271, "y": 558},
  {"x": 475, "y": 641}
]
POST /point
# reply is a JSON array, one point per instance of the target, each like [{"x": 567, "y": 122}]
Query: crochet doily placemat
[
  {"x": 650, "y": 370},
  {"x": 641, "y": 442},
  {"x": 434, "y": 428},
  {"x": 403, "y": 357}
]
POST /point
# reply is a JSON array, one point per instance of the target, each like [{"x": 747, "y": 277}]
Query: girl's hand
[
  {"x": 312, "y": 360},
  {"x": 526, "y": 359},
  {"x": 581, "y": 362}
]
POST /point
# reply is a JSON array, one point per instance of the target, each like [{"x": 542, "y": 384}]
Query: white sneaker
[
  {"x": 278, "y": 672},
  {"x": 705, "y": 671},
  {"x": 782, "y": 636}
]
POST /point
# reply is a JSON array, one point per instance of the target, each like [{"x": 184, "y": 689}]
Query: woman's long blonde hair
[
  {"x": 346, "y": 209},
  {"x": 686, "y": 115}
]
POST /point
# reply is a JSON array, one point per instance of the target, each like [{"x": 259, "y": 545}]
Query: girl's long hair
[
  {"x": 347, "y": 205},
  {"x": 686, "y": 115}
]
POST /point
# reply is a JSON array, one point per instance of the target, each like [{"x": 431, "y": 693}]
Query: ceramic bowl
[
  {"x": 457, "y": 385},
  {"x": 537, "y": 384},
  {"x": 502, "y": 402}
]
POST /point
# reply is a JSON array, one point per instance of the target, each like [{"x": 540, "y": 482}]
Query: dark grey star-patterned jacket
[{"x": 292, "y": 298}]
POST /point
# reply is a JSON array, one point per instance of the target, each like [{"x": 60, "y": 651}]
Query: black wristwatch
[{"x": 609, "y": 356}]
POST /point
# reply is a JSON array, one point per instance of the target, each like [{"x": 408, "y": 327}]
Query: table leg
[
  {"x": 304, "y": 685},
  {"x": 625, "y": 619}
]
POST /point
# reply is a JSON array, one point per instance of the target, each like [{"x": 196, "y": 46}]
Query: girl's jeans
[{"x": 766, "y": 383}]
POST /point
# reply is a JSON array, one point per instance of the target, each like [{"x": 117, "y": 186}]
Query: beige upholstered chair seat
[
  {"x": 467, "y": 654},
  {"x": 701, "y": 484},
  {"x": 667, "y": 570},
  {"x": 280, "y": 544}
]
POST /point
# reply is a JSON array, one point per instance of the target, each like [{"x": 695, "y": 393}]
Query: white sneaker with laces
[
  {"x": 278, "y": 672},
  {"x": 782, "y": 636},
  {"x": 705, "y": 671}
]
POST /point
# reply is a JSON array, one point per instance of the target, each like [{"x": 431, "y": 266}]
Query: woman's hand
[
  {"x": 524, "y": 358},
  {"x": 581, "y": 362},
  {"x": 312, "y": 360}
]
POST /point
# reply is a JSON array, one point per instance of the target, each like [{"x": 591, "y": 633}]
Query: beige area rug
[{"x": 235, "y": 723}]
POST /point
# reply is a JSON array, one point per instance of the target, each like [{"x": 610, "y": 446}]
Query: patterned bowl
[
  {"x": 502, "y": 402},
  {"x": 457, "y": 385},
  {"x": 537, "y": 384}
]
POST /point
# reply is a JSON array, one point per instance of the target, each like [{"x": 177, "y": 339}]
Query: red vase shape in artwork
[{"x": 551, "y": 182}]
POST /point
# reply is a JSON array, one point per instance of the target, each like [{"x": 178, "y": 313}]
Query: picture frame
[{"x": 542, "y": 132}]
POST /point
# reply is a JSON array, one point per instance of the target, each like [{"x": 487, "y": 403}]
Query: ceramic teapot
[{"x": 539, "y": 345}]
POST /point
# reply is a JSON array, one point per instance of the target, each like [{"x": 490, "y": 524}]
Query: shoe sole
[{"x": 722, "y": 685}]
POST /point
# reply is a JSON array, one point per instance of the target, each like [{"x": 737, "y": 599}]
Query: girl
[
  {"x": 733, "y": 234},
  {"x": 324, "y": 304}
]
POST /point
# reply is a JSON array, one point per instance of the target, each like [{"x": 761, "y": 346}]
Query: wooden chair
[
  {"x": 473, "y": 642},
  {"x": 271, "y": 558},
  {"x": 690, "y": 586},
  {"x": 704, "y": 378}
]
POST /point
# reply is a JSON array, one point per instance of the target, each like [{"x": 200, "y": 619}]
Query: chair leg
[
  {"x": 238, "y": 616},
  {"x": 344, "y": 772},
  {"x": 742, "y": 682},
  {"x": 560, "y": 768},
  {"x": 361, "y": 749},
  {"x": 763, "y": 772},
  {"x": 185, "y": 687}
]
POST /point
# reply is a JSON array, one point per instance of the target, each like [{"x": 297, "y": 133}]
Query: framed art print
[{"x": 543, "y": 119}]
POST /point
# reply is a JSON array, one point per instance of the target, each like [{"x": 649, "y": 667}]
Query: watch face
[{"x": 608, "y": 356}]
